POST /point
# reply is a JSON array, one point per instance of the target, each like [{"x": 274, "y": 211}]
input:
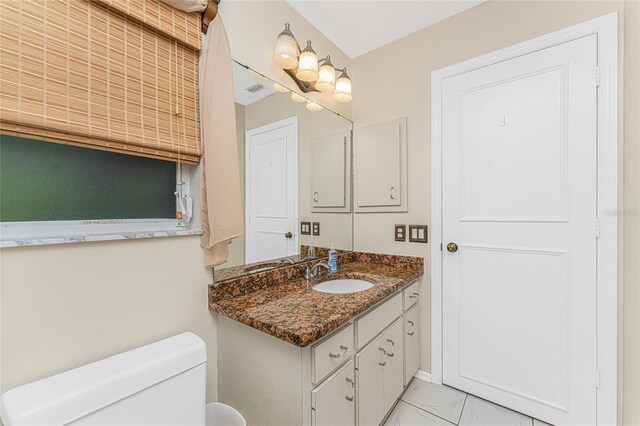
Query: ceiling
[
  {"x": 358, "y": 26},
  {"x": 244, "y": 79}
]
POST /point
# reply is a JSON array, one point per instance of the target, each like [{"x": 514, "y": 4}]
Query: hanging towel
[
  {"x": 222, "y": 214},
  {"x": 188, "y": 5}
]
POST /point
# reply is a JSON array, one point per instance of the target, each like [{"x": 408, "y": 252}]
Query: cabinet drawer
[
  {"x": 411, "y": 294},
  {"x": 333, "y": 402},
  {"x": 377, "y": 320},
  {"x": 331, "y": 353}
]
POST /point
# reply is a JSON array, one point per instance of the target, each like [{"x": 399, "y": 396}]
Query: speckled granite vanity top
[{"x": 281, "y": 302}]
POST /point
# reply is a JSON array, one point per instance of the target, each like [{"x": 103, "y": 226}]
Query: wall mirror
[{"x": 296, "y": 170}]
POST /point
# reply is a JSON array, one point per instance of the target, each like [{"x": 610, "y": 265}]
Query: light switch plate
[
  {"x": 305, "y": 228},
  {"x": 418, "y": 233},
  {"x": 316, "y": 228},
  {"x": 401, "y": 232}
]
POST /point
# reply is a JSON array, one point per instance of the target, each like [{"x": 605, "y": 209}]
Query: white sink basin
[{"x": 342, "y": 286}]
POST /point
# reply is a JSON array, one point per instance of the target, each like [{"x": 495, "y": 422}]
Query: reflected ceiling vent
[{"x": 255, "y": 88}]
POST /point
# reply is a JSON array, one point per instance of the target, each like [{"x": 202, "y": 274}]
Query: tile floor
[{"x": 424, "y": 403}]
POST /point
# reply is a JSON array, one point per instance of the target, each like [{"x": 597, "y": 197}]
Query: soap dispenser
[{"x": 333, "y": 260}]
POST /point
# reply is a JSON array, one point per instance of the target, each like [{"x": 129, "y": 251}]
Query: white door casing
[
  {"x": 516, "y": 310},
  {"x": 271, "y": 170}
]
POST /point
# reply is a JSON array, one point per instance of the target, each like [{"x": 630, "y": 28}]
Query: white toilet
[{"x": 159, "y": 384}]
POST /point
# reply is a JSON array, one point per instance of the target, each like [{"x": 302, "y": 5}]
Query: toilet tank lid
[{"x": 67, "y": 396}]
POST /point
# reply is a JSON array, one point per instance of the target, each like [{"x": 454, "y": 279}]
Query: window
[{"x": 56, "y": 190}]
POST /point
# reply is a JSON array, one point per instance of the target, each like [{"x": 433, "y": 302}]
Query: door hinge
[
  {"x": 440, "y": 246},
  {"x": 597, "y": 76},
  {"x": 597, "y": 228},
  {"x": 597, "y": 377}
]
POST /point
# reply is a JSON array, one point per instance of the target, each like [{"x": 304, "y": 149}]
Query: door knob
[
  {"x": 288, "y": 235},
  {"x": 452, "y": 247}
]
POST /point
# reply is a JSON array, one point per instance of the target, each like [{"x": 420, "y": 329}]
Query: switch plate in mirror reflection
[{"x": 296, "y": 171}]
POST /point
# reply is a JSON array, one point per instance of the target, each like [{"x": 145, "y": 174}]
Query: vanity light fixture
[
  {"x": 314, "y": 107},
  {"x": 297, "y": 98},
  {"x": 308, "y": 72}
]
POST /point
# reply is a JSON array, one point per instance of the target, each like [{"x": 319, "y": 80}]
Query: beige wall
[
  {"x": 63, "y": 306},
  {"x": 405, "y": 68},
  {"x": 252, "y": 28}
]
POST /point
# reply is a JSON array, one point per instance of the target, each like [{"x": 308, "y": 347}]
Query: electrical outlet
[
  {"x": 316, "y": 228},
  {"x": 418, "y": 233},
  {"x": 401, "y": 233},
  {"x": 305, "y": 228}
]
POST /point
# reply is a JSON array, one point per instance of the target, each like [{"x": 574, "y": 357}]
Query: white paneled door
[
  {"x": 271, "y": 191},
  {"x": 519, "y": 144}
]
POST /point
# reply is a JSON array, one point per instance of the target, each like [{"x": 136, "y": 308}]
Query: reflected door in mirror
[{"x": 272, "y": 191}]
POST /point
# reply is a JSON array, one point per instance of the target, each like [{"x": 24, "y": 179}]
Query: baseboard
[{"x": 423, "y": 375}]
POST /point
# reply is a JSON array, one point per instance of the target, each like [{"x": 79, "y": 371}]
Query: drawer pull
[
  {"x": 353, "y": 384},
  {"x": 384, "y": 354},
  {"x": 393, "y": 349},
  {"x": 410, "y": 333},
  {"x": 414, "y": 295},
  {"x": 343, "y": 348}
]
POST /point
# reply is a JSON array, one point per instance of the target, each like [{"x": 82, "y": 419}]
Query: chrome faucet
[
  {"x": 313, "y": 272},
  {"x": 287, "y": 261}
]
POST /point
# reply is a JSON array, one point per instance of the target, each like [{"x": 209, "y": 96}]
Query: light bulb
[
  {"x": 308, "y": 64},
  {"x": 280, "y": 88},
  {"x": 314, "y": 107},
  {"x": 297, "y": 98},
  {"x": 287, "y": 49}
]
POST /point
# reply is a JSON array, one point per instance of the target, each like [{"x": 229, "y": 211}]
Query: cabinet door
[
  {"x": 370, "y": 363},
  {"x": 381, "y": 167},
  {"x": 411, "y": 342},
  {"x": 392, "y": 342},
  {"x": 329, "y": 171},
  {"x": 333, "y": 402}
]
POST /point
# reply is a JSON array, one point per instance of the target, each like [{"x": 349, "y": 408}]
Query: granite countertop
[
  {"x": 252, "y": 268},
  {"x": 281, "y": 302}
]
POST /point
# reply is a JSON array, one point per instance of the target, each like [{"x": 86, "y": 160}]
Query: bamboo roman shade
[{"x": 115, "y": 75}]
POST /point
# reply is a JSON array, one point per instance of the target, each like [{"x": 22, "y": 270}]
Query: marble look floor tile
[
  {"x": 443, "y": 401},
  {"x": 407, "y": 415},
  {"x": 537, "y": 422},
  {"x": 480, "y": 412}
]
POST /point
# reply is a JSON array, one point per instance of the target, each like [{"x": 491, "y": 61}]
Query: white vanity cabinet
[
  {"x": 333, "y": 402},
  {"x": 380, "y": 375},
  {"x": 411, "y": 320},
  {"x": 353, "y": 376}
]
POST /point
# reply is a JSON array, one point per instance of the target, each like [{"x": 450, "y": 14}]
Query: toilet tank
[{"x": 159, "y": 384}]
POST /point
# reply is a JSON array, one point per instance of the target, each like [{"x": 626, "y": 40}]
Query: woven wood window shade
[{"x": 83, "y": 73}]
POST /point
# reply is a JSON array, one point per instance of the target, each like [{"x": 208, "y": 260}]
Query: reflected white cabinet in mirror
[
  {"x": 380, "y": 153},
  {"x": 331, "y": 173}
]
